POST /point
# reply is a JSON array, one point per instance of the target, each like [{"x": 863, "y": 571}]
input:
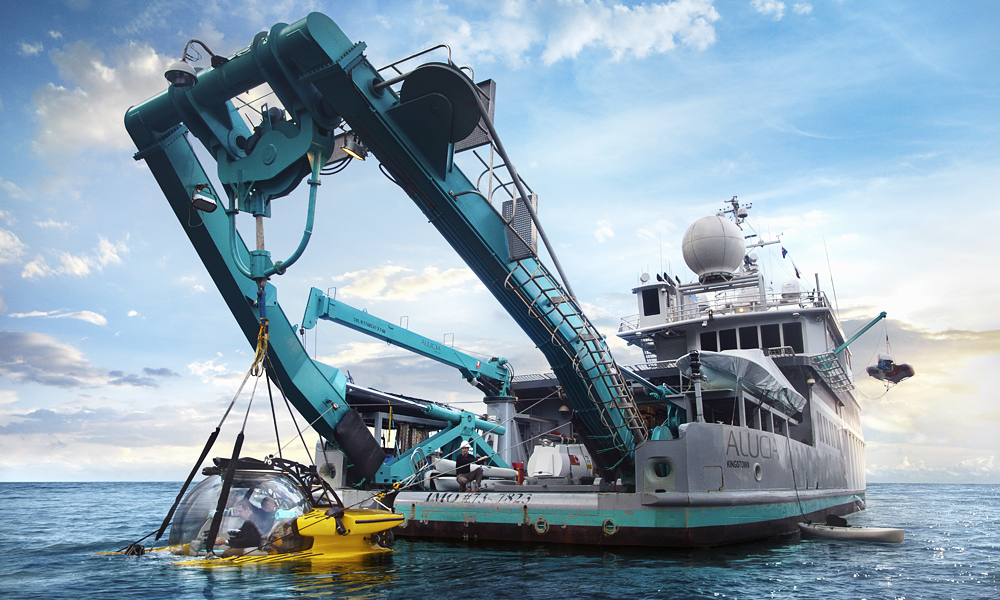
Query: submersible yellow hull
[{"x": 315, "y": 537}]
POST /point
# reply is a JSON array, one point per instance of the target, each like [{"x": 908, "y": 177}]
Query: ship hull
[
  {"x": 608, "y": 519},
  {"x": 716, "y": 484}
]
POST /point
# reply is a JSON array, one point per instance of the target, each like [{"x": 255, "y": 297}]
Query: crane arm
[
  {"x": 491, "y": 376},
  {"x": 323, "y": 80}
]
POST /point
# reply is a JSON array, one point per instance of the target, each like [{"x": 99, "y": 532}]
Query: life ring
[
  {"x": 541, "y": 525},
  {"x": 609, "y": 527}
]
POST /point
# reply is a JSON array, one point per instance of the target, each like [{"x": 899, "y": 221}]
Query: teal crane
[{"x": 324, "y": 82}]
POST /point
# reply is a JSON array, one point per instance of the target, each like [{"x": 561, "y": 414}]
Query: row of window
[
  {"x": 751, "y": 337},
  {"x": 827, "y": 431}
]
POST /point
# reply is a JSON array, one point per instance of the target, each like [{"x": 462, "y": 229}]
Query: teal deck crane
[
  {"x": 324, "y": 82},
  {"x": 492, "y": 377}
]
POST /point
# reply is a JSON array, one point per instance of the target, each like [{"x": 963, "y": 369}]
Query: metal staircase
[
  {"x": 832, "y": 372},
  {"x": 570, "y": 330}
]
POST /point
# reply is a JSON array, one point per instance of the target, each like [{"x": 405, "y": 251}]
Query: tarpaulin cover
[{"x": 749, "y": 370}]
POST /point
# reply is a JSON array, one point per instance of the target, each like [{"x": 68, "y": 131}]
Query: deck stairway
[
  {"x": 829, "y": 368},
  {"x": 608, "y": 397}
]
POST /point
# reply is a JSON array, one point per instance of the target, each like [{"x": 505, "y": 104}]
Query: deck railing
[{"x": 729, "y": 304}]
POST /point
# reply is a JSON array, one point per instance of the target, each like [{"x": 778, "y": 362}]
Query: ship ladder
[
  {"x": 580, "y": 342},
  {"x": 830, "y": 369}
]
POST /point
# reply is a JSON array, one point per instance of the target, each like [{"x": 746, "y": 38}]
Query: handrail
[{"x": 730, "y": 305}]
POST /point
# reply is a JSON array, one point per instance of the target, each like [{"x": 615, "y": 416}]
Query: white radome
[{"x": 713, "y": 246}]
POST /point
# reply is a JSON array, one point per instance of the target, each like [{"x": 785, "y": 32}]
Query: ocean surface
[{"x": 51, "y": 535}]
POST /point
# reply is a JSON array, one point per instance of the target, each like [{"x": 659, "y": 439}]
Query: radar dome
[{"x": 713, "y": 248}]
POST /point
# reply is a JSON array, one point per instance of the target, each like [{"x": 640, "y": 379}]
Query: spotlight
[
  {"x": 181, "y": 74},
  {"x": 202, "y": 199},
  {"x": 355, "y": 149}
]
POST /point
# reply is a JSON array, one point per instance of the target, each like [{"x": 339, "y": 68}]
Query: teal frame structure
[{"x": 324, "y": 82}]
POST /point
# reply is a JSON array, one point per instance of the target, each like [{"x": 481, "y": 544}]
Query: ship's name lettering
[
  {"x": 738, "y": 464},
  {"x": 456, "y": 497},
  {"x": 751, "y": 444},
  {"x": 431, "y": 345}
]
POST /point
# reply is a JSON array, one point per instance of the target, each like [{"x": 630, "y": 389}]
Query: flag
[{"x": 784, "y": 252}]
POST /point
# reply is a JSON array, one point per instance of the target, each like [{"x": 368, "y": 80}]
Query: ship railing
[
  {"x": 548, "y": 375},
  {"x": 781, "y": 351},
  {"x": 730, "y": 305}
]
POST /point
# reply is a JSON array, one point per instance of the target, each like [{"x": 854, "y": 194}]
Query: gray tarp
[{"x": 750, "y": 370}]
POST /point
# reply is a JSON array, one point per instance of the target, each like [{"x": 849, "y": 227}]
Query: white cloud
[
  {"x": 659, "y": 230},
  {"x": 50, "y": 224},
  {"x": 354, "y": 353},
  {"x": 391, "y": 282},
  {"x": 770, "y": 7},
  {"x": 561, "y": 29},
  {"x": 802, "y": 8},
  {"x": 105, "y": 254},
  {"x": 911, "y": 463},
  {"x": 639, "y": 30},
  {"x": 87, "y": 111},
  {"x": 603, "y": 231},
  {"x": 55, "y": 34},
  {"x": 217, "y": 375},
  {"x": 108, "y": 253},
  {"x": 82, "y": 315},
  {"x": 26, "y": 49},
  {"x": 8, "y": 397},
  {"x": 133, "y": 313},
  {"x": 11, "y": 247},
  {"x": 37, "y": 268},
  {"x": 12, "y": 189},
  {"x": 38, "y": 358},
  {"x": 85, "y": 315},
  {"x": 75, "y": 265}
]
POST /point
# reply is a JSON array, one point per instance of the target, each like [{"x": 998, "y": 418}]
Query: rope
[
  {"x": 274, "y": 418},
  {"x": 795, "y": 484},
  {"x": 291, "y": 413}
]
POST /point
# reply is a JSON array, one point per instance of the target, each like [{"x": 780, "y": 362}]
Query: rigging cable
[
  {"x": 194, "y": 470},
  {"x": 274, "y": 418},
  {"x": 795, "y": 482},
  {"x": 291, "y": 413},
  {"x": 227, "y": 480}
]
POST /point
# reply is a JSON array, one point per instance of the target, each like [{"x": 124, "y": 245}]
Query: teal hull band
[{"x": 670, "y": 517}]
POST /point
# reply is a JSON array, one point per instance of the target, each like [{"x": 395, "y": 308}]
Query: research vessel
[
  {"x": 750, "y": 395},
  {"x": 711, "y": 441}
]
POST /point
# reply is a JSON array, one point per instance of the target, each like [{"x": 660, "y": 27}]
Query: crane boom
[
  {"x": 490, "y": 376},
  {"x": 324, "y": 81}
]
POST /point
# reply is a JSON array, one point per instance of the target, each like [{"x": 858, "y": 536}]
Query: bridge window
[
  {"x": 770, "y": 336},
  {"x": 727, "y": 339},
  {"x": 793, "y": 336},
  {"x": 709, "y": 342},
  {"x": 650, "y": 302},
  {"x": 748, "y": 338}
]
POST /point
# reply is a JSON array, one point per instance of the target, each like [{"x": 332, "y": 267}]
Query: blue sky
[{"x": 866, "y": 132}]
